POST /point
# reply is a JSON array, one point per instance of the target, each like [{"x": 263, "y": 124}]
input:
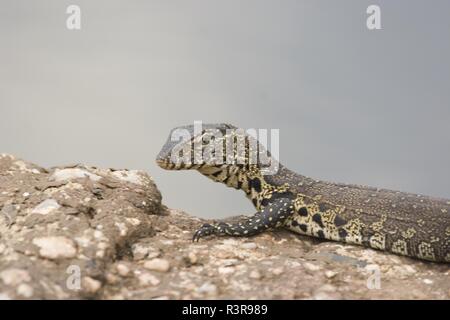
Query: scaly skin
[{"x": 402, "y": 223}]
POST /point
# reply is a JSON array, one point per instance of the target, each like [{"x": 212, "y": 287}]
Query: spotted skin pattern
[
  {"x": 402, "y": 223},
  {"x": 271, "y": 216}
]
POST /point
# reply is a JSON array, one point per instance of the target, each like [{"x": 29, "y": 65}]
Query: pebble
[
  {"x": 122, "y": 269},
  {"x": 10, "y": 212},
  {"x": 401, "y": 271},
  {"x": 160, "y": 265},
  {"x": 226, "y": 270},
  {"x": 311, "y": 267},
  {"x": 326, "y": 292},
  {"x": 146, "y": 279},
  {"x": 249, "y": 245},
  {"x": 14, "y": 277},
  {"x": 139, "y": 251},
  {"x": 277, "y": 271},
  {"x": 133, "y": 221},
  {"x": 192, "y": 258},
  {"x": 55, "y": 247},
  {"x": 25, "y": 290},
  {"x": 46, "y": 207},
  {"x": 72, "y": 173},
  {"x": 153, "y": 254},
  {"x": 427, "y": 281},
  {"x": 222, "y": 254},
  {"x": 4, "y": 296},
  {"x": 91, "y": 285},
  {"x": 330, "y": 274},
  {"x": 207, "y": 288},
  {"x": 123, "y": 230},
  {"x": 111, "y": 278},
  {"x": 255, "y": 274},
  {"x": 132, "y": 176}
]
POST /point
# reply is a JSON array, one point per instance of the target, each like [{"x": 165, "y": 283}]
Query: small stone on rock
[
  {"x": 13, "y": 277},
  {"x": 160, "y": 265},
  {"x": 192, "y": 258},
  {"x": 226, "y": 270},
  {"x": 277, "y": 271},
  {"x": 311, "y": 267},
  {"x": 208, "y": 288},
  {"x": 330, "y": 274},
  {"x": 72, "y": 173},
  {"x": 249, "y": 245},
  {"x": 55, "y": 247},
  {"x": 25, "y": 290},
  {"x": 91, "y": 285},
  {"x": 46, "y": 207},
  {"x": 255, "y": 274},
  {"x": 123, "y": 269},
  {"x": 146, "y": 279},
  {"x": 139, "y": 251}
]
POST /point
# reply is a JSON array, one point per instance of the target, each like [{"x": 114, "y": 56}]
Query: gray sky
[{"x": 352, "y": 105}]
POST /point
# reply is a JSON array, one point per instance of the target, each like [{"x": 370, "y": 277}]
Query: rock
[
  {"x": 330, "y": 274},
  {"x": 208, "y": 289},
  {"x": 133, "y": 176},
  {"x": 123, "y": 270},
  {"x": 255, "y": 274},
  {"x": 311, "y": 266},
  {"x": 4, "y": 296},
  {"x": 139, "y": 251},
  {"x": 25, "y": 290},
  {"x": 9, "y": 212},
  {"x": 277, "y": 271},
  {"x": 226, "y": 270},
  {"x": 14, "y": 277},
  {"x": 146, "y": 279},
  {"x": 112, "y": 278},
  {"x": 46, "y": 207},
  {"x": 80, "y": 232},
  {"x": 249, "y": 245},
  {"x": 191, "y": 258},
  {"x": 72, "y": 173},
  {"x": 326, "y": 292},
  {"x": 160, "y": 265},
  {"x": 55, "y": 247},
  {"x": 91, "y": 285}
]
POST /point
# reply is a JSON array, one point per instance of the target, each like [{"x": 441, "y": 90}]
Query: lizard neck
[{"x": 262, "y": 188}]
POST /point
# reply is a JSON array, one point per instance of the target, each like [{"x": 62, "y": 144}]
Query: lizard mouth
[{"x": 164, "y": 164}]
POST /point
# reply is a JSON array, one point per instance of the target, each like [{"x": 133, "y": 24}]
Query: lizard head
[
  {"x": 219, "y": 151},
  {"x": 187, "y": 146}
]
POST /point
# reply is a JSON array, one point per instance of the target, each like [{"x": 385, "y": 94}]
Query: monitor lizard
[{"x": 402, "y": 223}]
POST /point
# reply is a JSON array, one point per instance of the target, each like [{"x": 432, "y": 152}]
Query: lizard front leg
[{"x": 272, "y": 216}]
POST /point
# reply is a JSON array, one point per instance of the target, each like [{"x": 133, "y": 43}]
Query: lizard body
[{"x": 402, "y": 223}]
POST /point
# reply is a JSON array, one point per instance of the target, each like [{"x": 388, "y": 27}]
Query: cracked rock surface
[{"x": 81, "y": 232}]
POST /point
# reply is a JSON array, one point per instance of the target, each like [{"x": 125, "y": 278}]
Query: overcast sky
[{"x": 352, "y": 105}]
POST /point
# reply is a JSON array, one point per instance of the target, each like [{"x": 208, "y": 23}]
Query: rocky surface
[{"x": 80, "y": 232}]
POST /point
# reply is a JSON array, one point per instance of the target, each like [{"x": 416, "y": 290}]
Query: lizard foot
[{"x": 205, "y": 230}]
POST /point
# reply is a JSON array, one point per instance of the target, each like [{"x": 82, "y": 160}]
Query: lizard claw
[{"x": 205, "y": 230}]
